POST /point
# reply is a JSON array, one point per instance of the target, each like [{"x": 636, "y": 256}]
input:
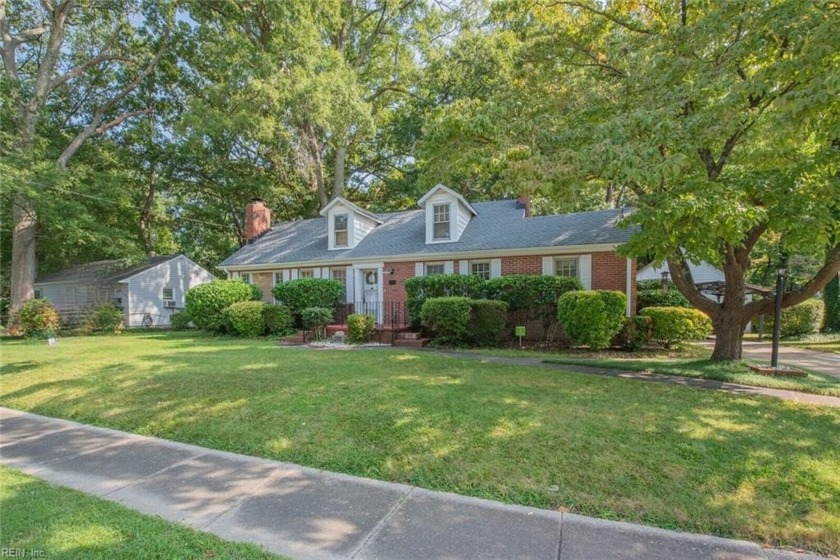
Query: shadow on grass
[{"x": 702, "y": 461}]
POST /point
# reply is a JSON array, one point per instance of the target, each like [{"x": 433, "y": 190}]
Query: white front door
[{"x": 371, "y": 298}]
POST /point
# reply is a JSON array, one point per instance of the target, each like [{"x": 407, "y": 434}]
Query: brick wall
[
  {"x": 265, "y": 282},
  {"x": 393, "y": 293},
  {"x": 522, "y": 265}
]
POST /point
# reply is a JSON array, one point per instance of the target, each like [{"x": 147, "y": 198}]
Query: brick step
[
  {"x": 412, "y": 343},
  {"x": 409, "y": 336}
]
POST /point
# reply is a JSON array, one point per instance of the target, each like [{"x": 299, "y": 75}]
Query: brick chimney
[
  {"x": 524, "y": 201},
  {"x": 257, "y": 219}
]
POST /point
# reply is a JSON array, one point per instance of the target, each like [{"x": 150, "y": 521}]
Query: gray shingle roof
[
  {"x": 102, "y": 271},
  {"x": 499, "y": 225}
]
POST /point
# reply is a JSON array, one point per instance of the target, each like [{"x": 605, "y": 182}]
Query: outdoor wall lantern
[{"x": 665, "y": 275}]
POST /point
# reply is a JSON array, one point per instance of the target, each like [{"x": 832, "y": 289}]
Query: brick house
[{"x": 373, "y": 254}]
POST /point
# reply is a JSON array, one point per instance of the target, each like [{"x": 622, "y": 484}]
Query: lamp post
[
  {"x": 665, "y": 275},
  {"x": 777, "y": 321}
]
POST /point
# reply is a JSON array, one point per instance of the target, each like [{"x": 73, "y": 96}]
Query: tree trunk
[
  {"x": 146, "y": 213},
  {"x": 24, "y": 263},
  {"x": 729, "y": 332},
  {"x": 338, "y": 172}
]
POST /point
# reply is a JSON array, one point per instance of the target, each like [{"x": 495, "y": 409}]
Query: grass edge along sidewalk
[{"x": 47, "y": 521}]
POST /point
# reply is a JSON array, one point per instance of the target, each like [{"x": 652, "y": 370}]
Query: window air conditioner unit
[{"x": 169, "y": 304}]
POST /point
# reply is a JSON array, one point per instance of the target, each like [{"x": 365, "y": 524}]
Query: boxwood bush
[
  {"x": 360, "y": 328},
  {"x": 316, "y": 318},
  {"x": 804, "y": 318},
  {"x": 532, "y": 296},
  {"x": 448, "y": 318},
  {"x": 105, "y": 318},
  {"x": 649, "y": 294},
  {"x": 180, "y": 321},
  {"x": 37, "y": 318},
  {"x": 206, "y": 303},
  {"x": 671, "y": 325},
  {"x": 635, "y": 334},
  {"x": 421, "y": 288},
  {"x": 246, "y": 318},
  {"x": 309, "y": 292},
  {"x": 592, "y": 317},
  {"x": 487, "y": 321},
  {"x": 278, "y": 319}
]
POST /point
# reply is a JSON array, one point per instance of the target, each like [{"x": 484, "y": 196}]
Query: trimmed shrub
[
  {"x": 105, "y": 318},
  {"x": 360, "y": 328},
  {"x": 246, "y": 318},
  {"x": 532, "y": 297},
  {"x": 804, "y": 318},
  {"x": 37, "y": 318},
  {"x": 180, "y": 321},
  {"x": 677, "y": 324},
  {"x": 206, "y": 303},
  {"x": 297, "y": 295},
  {"x": 635, "y": 334},
  {"x": 649, "y": 294},
  {"x": 447, "y": 318},
  {"x": 487, "y": 320},
  {"x": 316, "y": 318},
  {"x": 278, "y": 319},
  {"x": 422, "y": 288},
  {"x": 592, "y": 318}
]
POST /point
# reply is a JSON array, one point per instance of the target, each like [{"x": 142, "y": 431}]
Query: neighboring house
[
  {"x": 374, "y": 254},
  {"x": 701, "y": 273},
  {"x": 148, "y": 292}
]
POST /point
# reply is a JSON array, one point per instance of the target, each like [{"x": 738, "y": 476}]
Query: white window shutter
[
  {"x": 295, "y": 274},
  {"x": 585, "y": 271},
  {"x": 449, "y": 267},
  {"x": 463, "y": 267},
  {"x": 350, "y": 279},
  {"x": 316, "y": 273},
  {"x": 548, "y": 266},
  {"x": 495, "y": 268},
  {"x": 287, "y": 275},
  {"x": 325, "y": 272},
  {"x": 418, "y": 269}
]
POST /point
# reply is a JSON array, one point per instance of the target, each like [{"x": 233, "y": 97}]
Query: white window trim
[
  {"x": 426, "y": 266},
  {"x": 346, "y": 231},
  {"x": 576, "y": 261},
  {"x": 171, "y": 297},
  {"x": 487, "y": 263},
  {"x": 448, "y": 206}
]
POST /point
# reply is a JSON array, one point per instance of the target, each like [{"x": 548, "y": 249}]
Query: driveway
[{"x": 822, "y": 362}]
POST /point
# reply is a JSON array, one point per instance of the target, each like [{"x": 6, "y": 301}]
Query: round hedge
[
  {"x": 448, "y": 318},
  {"x": 360, "y": 328},
  {"x": 671, "y": 325},
  {"x": 804, "y": 318},
  {"x": 38, "y": 318},
  {"x": 206, "y": 303},
  {"x": 278, "y": 319},
  {"x": 592, "y": 317},
  {"x": 246, "y": 318}
]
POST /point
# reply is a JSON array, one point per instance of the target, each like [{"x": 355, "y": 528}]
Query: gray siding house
[{"x": 148, "y": 292}]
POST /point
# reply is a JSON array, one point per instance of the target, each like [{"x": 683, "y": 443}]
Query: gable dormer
[
  {"x": 347, "y": 224},
  {"x": 447, "y": 214}
]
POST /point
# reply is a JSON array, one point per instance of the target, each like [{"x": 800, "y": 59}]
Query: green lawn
[
  {"x": 762, "y": 469},
  {"x": 53, "y": 522}
]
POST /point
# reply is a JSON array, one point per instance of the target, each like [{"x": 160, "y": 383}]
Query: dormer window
[
  {"x": 441, "y": 221},
  {"x": 340, "y": 230}
]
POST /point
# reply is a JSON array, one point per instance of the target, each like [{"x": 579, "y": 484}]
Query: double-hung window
[
  {"x": 480, "y": 269},
  {"x": 441, "y": 222},
  {"x": 245, "y": 277},
  {"x": 566, "y": 267},
  {"x": 340, "y": 230},
  {"x": 306, "y": 273},
  {"x": 168, "y": 294},
  {"x": 432, "y": 269}
]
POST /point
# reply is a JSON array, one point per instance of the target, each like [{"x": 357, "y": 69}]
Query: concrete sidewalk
[{"x": 310, "y": 514}]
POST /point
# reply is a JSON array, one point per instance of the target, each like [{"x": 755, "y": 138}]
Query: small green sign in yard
[{"x": 520, "y": 331}]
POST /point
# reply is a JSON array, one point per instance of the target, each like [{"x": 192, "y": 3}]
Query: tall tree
[
  {"x": 722, "y": 117},
  {"x": 76, "y": 65}
]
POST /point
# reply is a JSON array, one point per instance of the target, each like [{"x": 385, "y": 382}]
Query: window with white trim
[
  {"x": 340, "y": 230},
  {"x": 566, "y": 267},
  {"x": 480, "y": 269},
  {"x": 168, "y": 294},
  {"x": 278, "y": 278},
  {"x": 306, "y": 273},
  {"x": 440, "y": 221},
  {"x": 432, "y": 269},
  {"x": 245, "y": 277},
  {"x": 339, "y": 274}
]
